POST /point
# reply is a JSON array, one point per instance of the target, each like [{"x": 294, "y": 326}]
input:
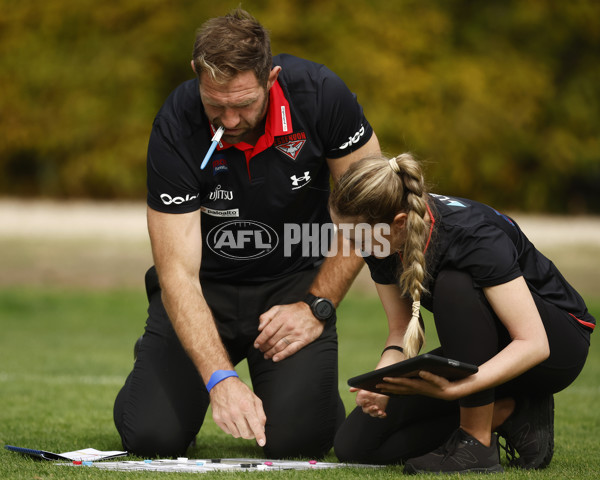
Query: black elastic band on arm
[{"x": 392, "y": 347}]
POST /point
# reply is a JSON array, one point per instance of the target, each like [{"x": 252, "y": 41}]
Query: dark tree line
[{"x": 500, "y": 99}]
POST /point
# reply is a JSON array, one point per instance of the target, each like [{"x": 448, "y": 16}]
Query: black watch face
[{"x": 323, "y": 309}]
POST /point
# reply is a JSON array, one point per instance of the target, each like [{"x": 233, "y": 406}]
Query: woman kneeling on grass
[{"x": 497, "y": 303}]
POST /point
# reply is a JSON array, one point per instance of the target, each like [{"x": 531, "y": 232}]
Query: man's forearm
[
  {"x": 195, "y": 327},
  {"x": 337, "y": 272},
  {"x": 177, "y": 251}
]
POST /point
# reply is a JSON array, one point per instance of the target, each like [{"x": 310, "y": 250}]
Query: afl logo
[{"x": 242, "y": 240}]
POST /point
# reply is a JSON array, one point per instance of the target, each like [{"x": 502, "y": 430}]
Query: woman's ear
[
  {"x": 398, "y": 227},
  {"x": 399, "y": 222}
]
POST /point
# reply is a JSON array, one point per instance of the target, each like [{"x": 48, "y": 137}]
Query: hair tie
[
  {"x": 394, "y": 164},
  {"x": 416, "y": 308}
]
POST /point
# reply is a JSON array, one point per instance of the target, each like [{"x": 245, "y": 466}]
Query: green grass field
[{"x": 65, "y": 353}]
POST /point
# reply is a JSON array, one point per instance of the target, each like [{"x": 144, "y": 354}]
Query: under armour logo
[{"x": 299, "y": 182}]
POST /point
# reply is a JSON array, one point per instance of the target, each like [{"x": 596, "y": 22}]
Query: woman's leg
[
  {"x": 470, "y": 331},
  {"x": 414, "y": 425}
]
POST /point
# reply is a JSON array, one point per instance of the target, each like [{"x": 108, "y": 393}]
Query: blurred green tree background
[{"x": 499, "y": 98}]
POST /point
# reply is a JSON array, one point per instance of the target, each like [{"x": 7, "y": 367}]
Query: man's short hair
[{"x": 234, "y": 43}]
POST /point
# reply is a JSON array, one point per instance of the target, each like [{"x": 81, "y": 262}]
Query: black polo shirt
[
  {"x": 489, "y": 246},
  {"x": 251, "y": 197}
]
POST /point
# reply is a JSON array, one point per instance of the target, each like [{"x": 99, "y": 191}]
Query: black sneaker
[
  {"x": 529, "y": 432},
  {"x": 461, "y": 453}
]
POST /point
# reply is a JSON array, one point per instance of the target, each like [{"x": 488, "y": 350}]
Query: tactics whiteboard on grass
[{"x": 213, "y": 465}]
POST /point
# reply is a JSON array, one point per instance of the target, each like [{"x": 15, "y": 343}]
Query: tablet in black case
[{"x": 444, "y": 367}]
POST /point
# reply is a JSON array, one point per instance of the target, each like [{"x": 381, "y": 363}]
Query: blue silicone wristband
[{"x": 219, "y": 376}]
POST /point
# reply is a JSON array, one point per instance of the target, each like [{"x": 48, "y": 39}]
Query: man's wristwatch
[{"x": 322, "y": 308}]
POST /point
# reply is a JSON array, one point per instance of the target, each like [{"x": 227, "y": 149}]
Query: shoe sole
[{"x": 410, "y": 470}]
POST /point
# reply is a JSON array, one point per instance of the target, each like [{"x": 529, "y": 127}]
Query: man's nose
[{"x": 230, "y": 118}]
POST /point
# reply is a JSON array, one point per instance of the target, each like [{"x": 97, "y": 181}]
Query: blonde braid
[
  {"x": 376, "y": 189},
  {"x": 413, "y": 258}
]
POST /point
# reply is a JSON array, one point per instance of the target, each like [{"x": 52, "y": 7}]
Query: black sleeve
[
  {"x": 489, "y": 255},
  {"x": 384, "y": 270},
  {"x": 172, "y": 179},
  {"x": 342, "y": 124}
]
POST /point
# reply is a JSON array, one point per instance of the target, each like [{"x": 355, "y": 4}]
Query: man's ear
[
  {"x": 273, "y": 77},
  {"x": 193, "y": 66}
]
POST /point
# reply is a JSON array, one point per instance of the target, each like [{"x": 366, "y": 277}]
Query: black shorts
[{"x": 162, "y": 405}]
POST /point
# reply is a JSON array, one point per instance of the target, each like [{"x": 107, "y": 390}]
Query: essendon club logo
[{"x": 291, "y": 145}]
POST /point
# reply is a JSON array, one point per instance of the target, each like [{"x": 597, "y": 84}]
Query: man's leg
[
  {"x": 300, "y": 394},
  {"x": 162, "y": 405},
  {"x": 301, "y": 398}
]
